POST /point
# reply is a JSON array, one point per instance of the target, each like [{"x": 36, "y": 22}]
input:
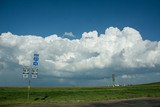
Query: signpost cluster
[{"x": 31, "y": 72}]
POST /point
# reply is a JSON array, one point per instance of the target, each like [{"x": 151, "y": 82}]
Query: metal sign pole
[
  {"x": 29, "y": 86},
  {"x": 26, "y": 72}
]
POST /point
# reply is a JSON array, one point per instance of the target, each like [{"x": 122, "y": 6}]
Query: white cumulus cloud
[
  {"x": 93, "y": 55},
  {"x": 69, "y": 35}
]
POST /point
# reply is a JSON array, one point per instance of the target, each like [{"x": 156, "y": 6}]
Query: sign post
[
  {"x": 26, "y": 73},
  {"x": 33, "y": 74}
]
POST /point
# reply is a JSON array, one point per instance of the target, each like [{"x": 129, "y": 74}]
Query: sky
[
  {"x": 47, "y": 17},
  {"x": 80, "y": 42}
]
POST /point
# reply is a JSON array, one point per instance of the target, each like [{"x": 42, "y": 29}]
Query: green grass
[{"x": 17, "y": 95}]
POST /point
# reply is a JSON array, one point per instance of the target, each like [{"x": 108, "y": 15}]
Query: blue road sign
[
  {"x": 37, "y": 55},
  {"x": 35, "y": 63},
  {"x": 35, "y": 58}
]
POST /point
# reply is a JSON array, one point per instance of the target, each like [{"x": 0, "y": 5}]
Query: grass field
[{"x": 18, "y": 95}]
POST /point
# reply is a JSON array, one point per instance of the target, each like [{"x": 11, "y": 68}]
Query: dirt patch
[
  {"x": 138, "y": 102},
  {"x": 128, "y": 103}
]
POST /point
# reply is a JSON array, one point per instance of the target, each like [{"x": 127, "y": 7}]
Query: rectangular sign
[
  {"x": 25, "y": 75},
  {"x": 34, "y": 76}
]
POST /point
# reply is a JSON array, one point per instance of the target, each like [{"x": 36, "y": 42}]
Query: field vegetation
[{"x": 72, "y": 95}]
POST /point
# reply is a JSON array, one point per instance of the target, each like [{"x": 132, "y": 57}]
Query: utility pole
[{"x": 113, "y": 79}]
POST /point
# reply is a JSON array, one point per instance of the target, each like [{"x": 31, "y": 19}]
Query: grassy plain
[{"x": 65, "y": 95}]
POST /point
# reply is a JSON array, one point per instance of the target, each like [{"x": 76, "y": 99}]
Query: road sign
[
  {"x": 34, "y": 72},
  {"x": 25, "y": 75},
  {"x": 34, "y": 76},
  {"x": 25, "y": 72},
  {"x": 35, "y": 63},
  {"x": 36, "y": 55},
  {"x": 25, "y": 69},
  {"x": 35, "y": 58}
]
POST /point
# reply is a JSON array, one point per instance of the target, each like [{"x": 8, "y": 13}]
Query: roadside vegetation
[{"x": 65, "y": 95}]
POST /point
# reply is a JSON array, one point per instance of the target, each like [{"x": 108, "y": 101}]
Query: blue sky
[{"x": 46, "y": 17}]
